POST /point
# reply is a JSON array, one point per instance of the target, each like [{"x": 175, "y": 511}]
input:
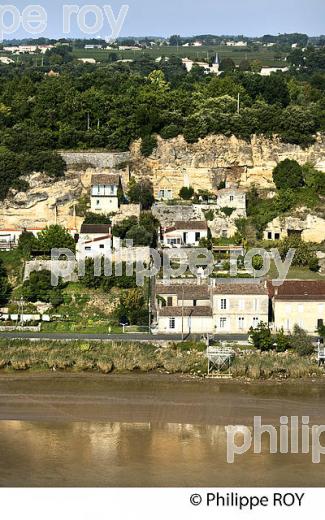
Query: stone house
[
  {"x": 222, "y": 307},
  {"x": 310, "y": 228},
  {"x": 298, "y": 302},
  {"x": 233, "y": 198}
]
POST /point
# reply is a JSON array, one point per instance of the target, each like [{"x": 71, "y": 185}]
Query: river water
[{"x": 147, "y": 430}]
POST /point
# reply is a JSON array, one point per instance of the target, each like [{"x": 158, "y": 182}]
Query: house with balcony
[{"x": 105, "y": 193}]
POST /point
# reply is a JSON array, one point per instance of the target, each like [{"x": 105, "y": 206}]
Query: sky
[{"x": 166, "y": 17}]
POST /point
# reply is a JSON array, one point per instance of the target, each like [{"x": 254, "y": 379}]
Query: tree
[
  {"x": 55, "y": 236},
  {"x": 26, "y": 243},
  {"x": 39, "y": 288},
  {"x": 261, "y": 337},
  {"x": 227, "y": 65},
  {"x": 139, "y": 235},
  {"x": 186, "y": 193},
  {"x": 148, "y": 144},
  {"x": 132, "y": 304},
  {"x": 301, "y": 342},
  {"x": 288, "y": 174},
  {"x": 121, "y": 228},
  {"x": 5, "y": 288},
  {"x": 304, "y": 254},
  {"x": 141, "y": 193},
  {"x": 95, "y": 218}
]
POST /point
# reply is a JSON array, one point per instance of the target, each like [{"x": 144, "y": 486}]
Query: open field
[
  {"x": 268, "y": 56},
  {"x": 265, "y": 55}
]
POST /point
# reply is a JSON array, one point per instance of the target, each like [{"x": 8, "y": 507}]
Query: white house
[
  {"x": 183, "y": 309},
  {"x": 104, "y": 193},
  {"x": 187, "y": 233},
  {"x": 94, "y": 240}
]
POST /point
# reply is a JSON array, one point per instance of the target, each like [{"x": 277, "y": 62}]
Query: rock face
[
  {"x": 173, "y": 164},
  {"x": 204, "y": 164},
  {"x": 48, "y": 201}
]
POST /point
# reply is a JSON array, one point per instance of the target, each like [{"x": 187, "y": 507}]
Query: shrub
[
  {"x": 148, "y": 144},
  {"x": 288, "y": 174},
  {"x": 186, "y": 193}
]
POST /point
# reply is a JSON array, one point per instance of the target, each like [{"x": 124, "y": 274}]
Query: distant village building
[
  {"x": 90, "y": 47},
  {"x": 5, "y": 60},
  {"x": 236, "y": 44},
  {"x": 90, "y": 61},
  {"x": 104, "y": 193},
  {"x": 267, "y": 71},
  {"x": 298, "y": 302},
  {"x": 184, "y": 234}
]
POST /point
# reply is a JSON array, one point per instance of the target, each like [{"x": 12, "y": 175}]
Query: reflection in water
[{"x": 139, "y": 454}]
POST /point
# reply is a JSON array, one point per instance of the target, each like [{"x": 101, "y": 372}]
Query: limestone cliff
[{"x": 173, "y": 164}]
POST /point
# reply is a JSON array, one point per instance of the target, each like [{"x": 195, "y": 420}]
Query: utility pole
[
  {"x": 88, "y": 121},
  {"x": 21, "y": 309},
  {"x": 238, "y": 103},
  {"x": 183, "y": 313}
]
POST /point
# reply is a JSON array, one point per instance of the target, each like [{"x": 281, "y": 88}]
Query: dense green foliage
[
  {"x": 299, "y": 341},
  {"x": 39, "y": 288},
  {"x": 143, "y": 232},
  {"x": 186, "y": 193},
  {"x": 4, "y": 284},
  {"x": 288, "y": 175},
  {"x": 107, "y": 106},
  {"x": 141, "y": 193}
]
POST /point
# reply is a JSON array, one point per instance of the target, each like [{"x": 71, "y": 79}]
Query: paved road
[{"x": 111, "y": 337}]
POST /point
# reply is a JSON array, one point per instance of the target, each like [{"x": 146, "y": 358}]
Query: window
[
  {"x": 169, "y": 301},
  {"x": 269, "y": 235},
  {"x": 101, "y": 246},
  {"x": 87, "y": 248},
  {"x": 223, "y": 322},
  {"x": 231, "y": 198},
  {"x": 97, "y": 202},
  {"x": 223, "y": 304},
  {"x": 255, "y": 322},
  {"x": 197, "y": 236},
  {"x": 194, "y": 303},
  {"x": 241, "y": 323},
  {"x": 320, "y": 323},
  {"x": 276, "y": 236},
  {"x": 172, "y": 323}
]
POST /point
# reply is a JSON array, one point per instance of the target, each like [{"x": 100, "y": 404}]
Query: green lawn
[{"x": 296, "y": 273}]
